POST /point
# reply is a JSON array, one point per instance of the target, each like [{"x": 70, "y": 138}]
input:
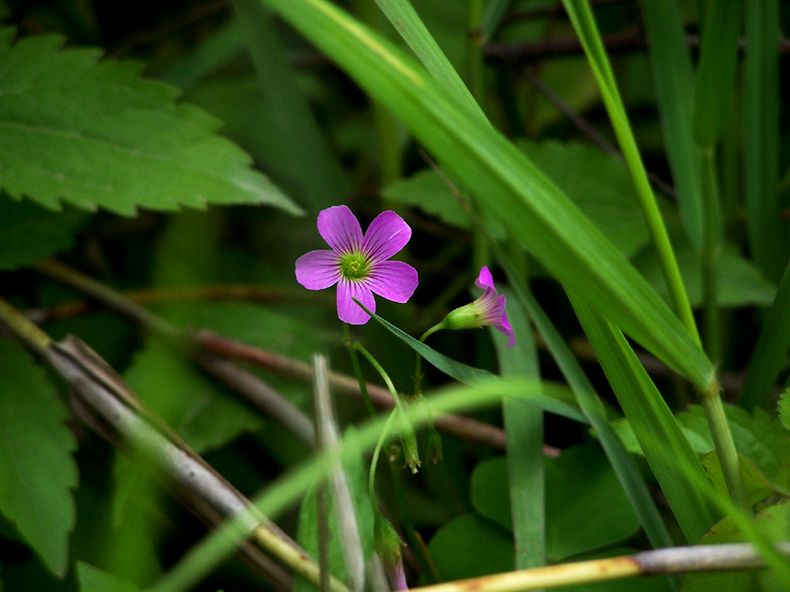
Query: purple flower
[
  {"x": 486, "y": 311},
  {"x": 358, "y": 263}
]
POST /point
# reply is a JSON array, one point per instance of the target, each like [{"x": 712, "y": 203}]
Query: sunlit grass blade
[
  {"x": 673, "y": 84},
  {"x": 524, "y": 436},
  {"x": 771, "y": 351},
  {"x": 581, "y": 15},
  {"x": 505, "y": 183},
  {"x": 623, "y": 464},
  {"x": 666, "y": 449},
  {"x": 414, "y": 32},
  {"x": 761, "y": 136},
  {"x": 716, "y": 70},
  {"x": 302, "y": 152}
]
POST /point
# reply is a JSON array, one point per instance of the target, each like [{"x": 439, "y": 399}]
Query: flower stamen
[{"x": 354, "y": 266}]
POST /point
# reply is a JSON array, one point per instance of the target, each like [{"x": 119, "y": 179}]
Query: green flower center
[{"x": 354, "y": 266}]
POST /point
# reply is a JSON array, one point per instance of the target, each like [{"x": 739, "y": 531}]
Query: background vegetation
[{"x": 621, "y": 166}]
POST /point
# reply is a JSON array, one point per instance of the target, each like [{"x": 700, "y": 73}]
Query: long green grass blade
[
  {"x": 505, "y": 183},
  {"x": 670, "y": 456},
  {"x": 623, "y": 464},
  {"x": 302, "y": 152},
  {"x": 414, "y": 32},
  {"x": 673, "y": 83},
  {"x": 524, "y": 437},
  {"x": 761, "y": 137},
  {"x": 716, "y": 70},
  {"x": 770, "y": 353},
  {"x": 581, "y": 15}
]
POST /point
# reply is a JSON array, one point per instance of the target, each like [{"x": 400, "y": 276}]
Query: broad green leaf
[
  {"x": 307, "y": 531},
  {"x": 37, "y": 470},
  {"x": 586, "y": 506},
  {"x": 469, "y": 374},
  {"x": 470, "y": 546},
  {"x": 757, "y": 485},
  {"x": 667, "y": 451},
  {"x": 673, "y": 83},
  {"x": 92, "y": 579},
  {"x": 760, "y": 127},
  {"x": 524, "y": 440},
  {"x": 626, "y": 469},
  {"x": 599, "y": 185},
  {"x": 716, "y": 70},
  {"x": 296, "y": 141},
  {"x": 29, "y": 233},
  {"x": 97, "y": 135},
  {"x": 506, "y": 184},
  {"x": 203, "y": 414},
  {"x": 770, "y": 353},
  {"x": 784, "y": 409},
  {"x": 739, "y": 282}
]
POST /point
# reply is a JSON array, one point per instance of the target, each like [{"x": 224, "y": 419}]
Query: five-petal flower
[{"x": 359, "y": 264}]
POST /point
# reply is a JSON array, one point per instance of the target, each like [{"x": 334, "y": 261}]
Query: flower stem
[
  {"x": 408, "y": 438},
  {"x": 725, "y": 447},
  {"x": 363, "y": 386},
  {"x": 710, "y": 254},
  {"x": 418, "y": 358}
]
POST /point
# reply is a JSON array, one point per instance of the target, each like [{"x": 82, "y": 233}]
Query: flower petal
[
  {"x": 386, "y": 235},
  {"x": 340, "y": 229},
  {"x": 349, "y": 311},
  {"x": 393, "y": 280},
  {"x": 505, "y": 327},
  {"x": 485, "y": 279},
  {"x": 317, "y": 270}
]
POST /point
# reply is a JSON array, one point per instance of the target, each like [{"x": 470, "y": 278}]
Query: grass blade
[
  {"x": 623, "y": 464},
  {"x": 673, "y": 79},
  {"x": 416, "y": 35},
  {"x": 761, "y": 136},
  {"x": 666, "y": 449},
  {"x": 581, "y": 16},
  {"x": 505, "y": 183},
  {"x": 302, "y": 154},
  {"x": 716, "y": 70},
  {"x": 524, "y": 434},
  {"x": 771, "y": 351}
]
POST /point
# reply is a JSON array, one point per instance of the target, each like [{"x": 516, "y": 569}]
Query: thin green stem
[
  {"x": 725, "y": 448},
  {"x": 363, "y": 386},
  {"x": 375, "y": 459},
  {"x": 418, "y": 358},
  {"x": 710, "y": 254}
]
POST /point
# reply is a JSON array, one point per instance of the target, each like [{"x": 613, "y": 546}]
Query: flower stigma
[{"x": 354, "y": 266}]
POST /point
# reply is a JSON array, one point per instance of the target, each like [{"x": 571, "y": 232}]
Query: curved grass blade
[
  {"x": 670, "y": 458},
  {"x": 673, "y": 79},
  {"x": 505, "y": 183},
  {"x": 771, "y": 351}
]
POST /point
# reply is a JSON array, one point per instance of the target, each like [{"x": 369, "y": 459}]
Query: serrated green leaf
[
  {"x": 37, "y": 471},
  {"x": 29, "y": 233},
  {"x": 586, "y": 507},
  {"x": 92, "y": 579},
  {"x": 96, "y": 134},
  {"x": 470, "y": 546}
]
